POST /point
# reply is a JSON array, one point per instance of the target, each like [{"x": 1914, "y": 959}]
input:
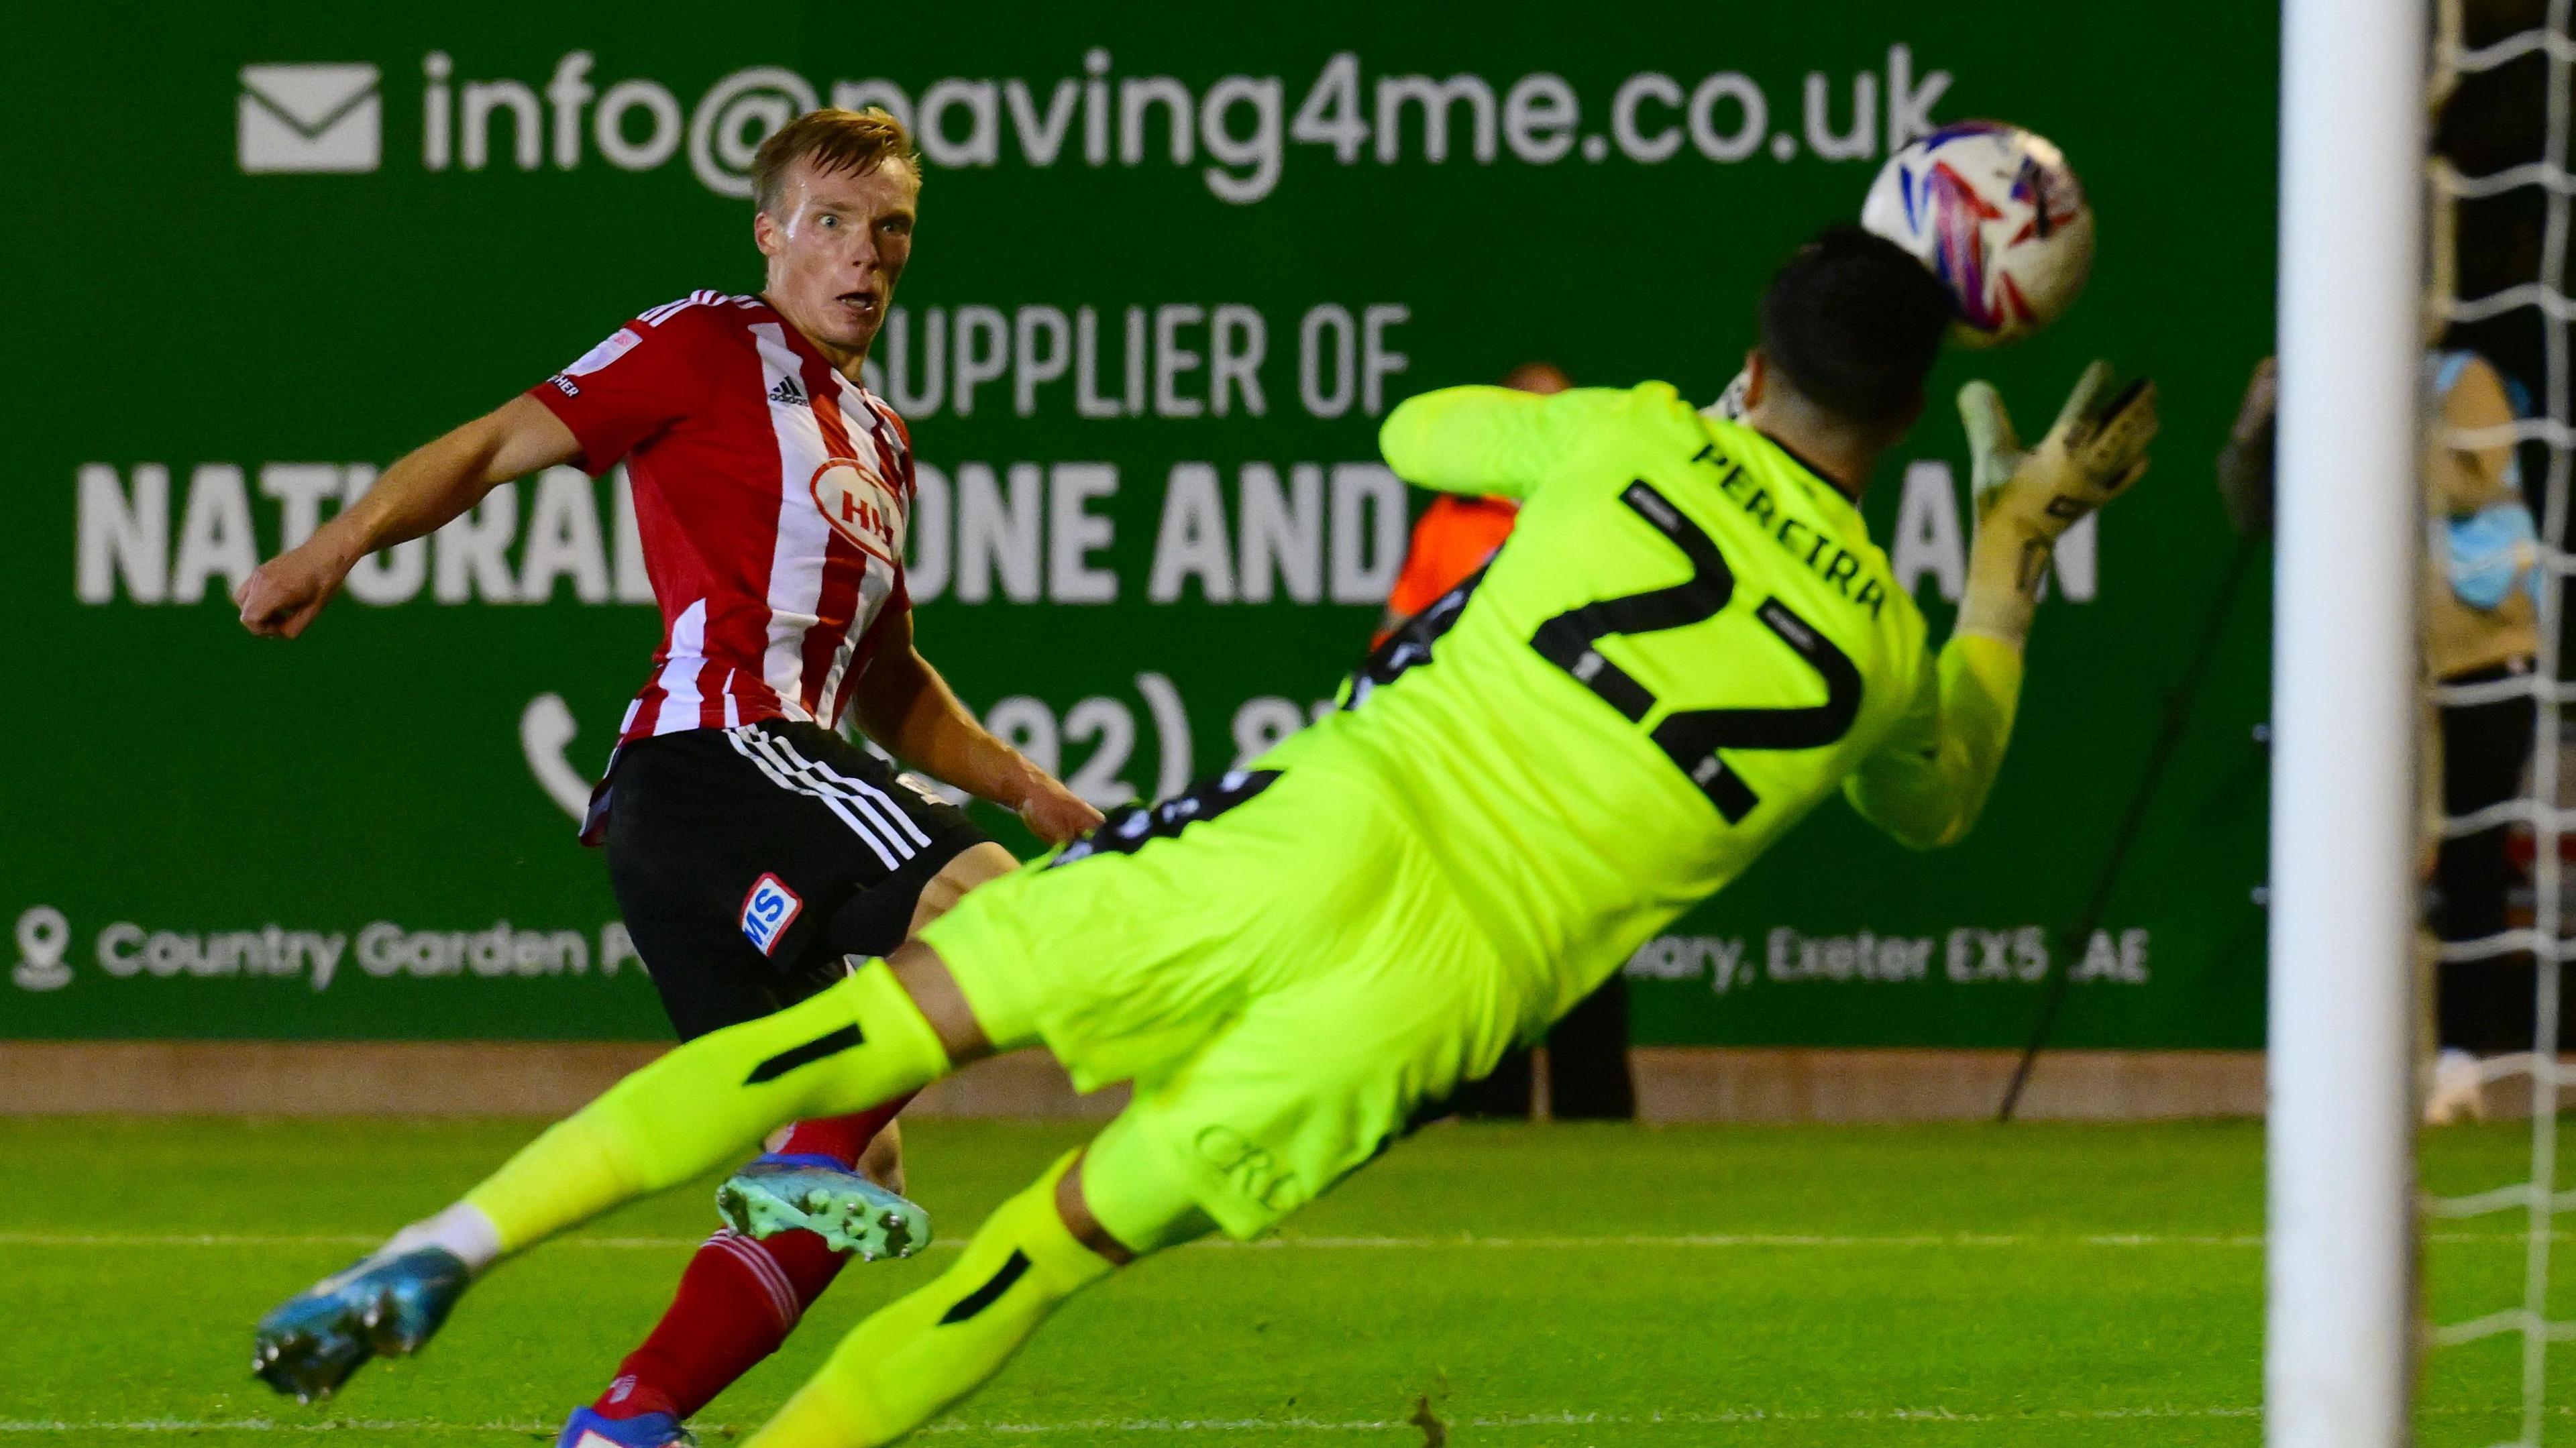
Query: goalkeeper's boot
[
  {"x": 387, "y": 1303},
  {"x": 588, "y": 1429},
  {"x": 813, "y": 1193}
]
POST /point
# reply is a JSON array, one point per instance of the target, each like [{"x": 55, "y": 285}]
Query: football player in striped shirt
[{"x": 752, "y": 849}]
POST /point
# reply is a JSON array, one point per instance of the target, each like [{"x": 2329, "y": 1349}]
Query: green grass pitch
[{"x": 1942, "y": 1286}]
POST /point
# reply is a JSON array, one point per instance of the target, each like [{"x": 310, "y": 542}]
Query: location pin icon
[{"x": 43, "y": 937}]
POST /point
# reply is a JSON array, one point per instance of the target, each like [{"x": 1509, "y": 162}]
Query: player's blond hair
[{"x": 838, "y": 140}]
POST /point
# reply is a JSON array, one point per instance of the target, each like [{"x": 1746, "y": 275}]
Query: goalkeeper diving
[{"x": 1687, "y": 644}]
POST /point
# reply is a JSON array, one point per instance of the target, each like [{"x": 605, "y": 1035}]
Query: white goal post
[{"x": 2339, "y": 1340}]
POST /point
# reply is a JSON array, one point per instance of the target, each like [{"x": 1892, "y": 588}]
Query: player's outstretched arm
[
  {"x": 2028, "y": 497},
  {"x": 1488, "y": 441},
  {"x": 430, "y": 485},
  {"x": 1927, "y": 785},
  {"x": 906, "y": 707}
]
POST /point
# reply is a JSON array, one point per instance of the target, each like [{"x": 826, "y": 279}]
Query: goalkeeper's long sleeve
[
  {"x": 1927, "y": 784},
  {"x": 1489, "y": 441}
]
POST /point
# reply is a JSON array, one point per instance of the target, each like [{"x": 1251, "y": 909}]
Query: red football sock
[
  {"x": 739, "y": 1298},
  {"x": 842, "y": 1138}
]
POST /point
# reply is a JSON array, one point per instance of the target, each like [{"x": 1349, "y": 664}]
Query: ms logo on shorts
[{"x": 767, "y": 912}]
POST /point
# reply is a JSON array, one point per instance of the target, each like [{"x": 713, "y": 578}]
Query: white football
[{"x": 1998, "y": 216}]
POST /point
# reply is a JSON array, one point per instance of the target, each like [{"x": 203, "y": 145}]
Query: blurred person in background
[
  {"x": 2479, "y": 583},
  {"x": 1587, "y": 1052},
  {"x": 2479, "y": 587},
  {"x": 752, "y": 848}
]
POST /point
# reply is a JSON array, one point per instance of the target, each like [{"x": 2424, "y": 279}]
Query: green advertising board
[{"x": 1173, "y": 266}]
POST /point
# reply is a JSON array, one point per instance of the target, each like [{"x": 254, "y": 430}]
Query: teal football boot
[
  {"x": 388, "y": 1304},
  {"x": 787, "y": 1193}
]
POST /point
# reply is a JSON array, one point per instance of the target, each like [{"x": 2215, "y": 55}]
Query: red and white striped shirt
[{"x": 771, "y": 496}]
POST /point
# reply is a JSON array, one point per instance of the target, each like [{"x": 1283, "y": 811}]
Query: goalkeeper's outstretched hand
[{"x": 2027, "y": 497}]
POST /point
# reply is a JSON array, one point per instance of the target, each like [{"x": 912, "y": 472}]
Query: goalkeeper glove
[{"x": 2027, "y": 497}]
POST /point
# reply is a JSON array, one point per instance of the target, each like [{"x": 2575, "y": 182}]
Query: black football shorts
[{"x": 749, "y": 861}]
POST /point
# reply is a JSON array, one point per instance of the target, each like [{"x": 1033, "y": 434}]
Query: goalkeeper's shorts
[{"x": 1274, "y": 960}]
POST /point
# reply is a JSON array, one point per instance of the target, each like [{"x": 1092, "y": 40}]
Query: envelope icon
[{"x": 310, "y": 118}]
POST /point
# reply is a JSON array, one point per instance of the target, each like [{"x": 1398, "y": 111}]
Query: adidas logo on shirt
[{"x": 789, "y": 393}]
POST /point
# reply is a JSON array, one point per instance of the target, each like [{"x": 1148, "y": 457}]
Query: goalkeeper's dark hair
[{"x": 1853, "y": 322}]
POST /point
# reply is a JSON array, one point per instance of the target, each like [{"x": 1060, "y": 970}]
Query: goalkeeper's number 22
[{"x": 1693, "y": 737}]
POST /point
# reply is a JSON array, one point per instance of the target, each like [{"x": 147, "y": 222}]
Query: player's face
[{"x": 837, "y": 244}]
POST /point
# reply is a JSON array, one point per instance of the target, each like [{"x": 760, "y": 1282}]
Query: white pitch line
[
  {"x": 1185, "y": 1426},
  {"x": 1675, "y": 1242},
  {"x": 1583, "y": 1420},
  {"x": 173, "y": 1239},
  {"x": 1174, "y": 1427},
  {"x": 1674, "y": 1419},
  {"x": 271, "y": 1425}
]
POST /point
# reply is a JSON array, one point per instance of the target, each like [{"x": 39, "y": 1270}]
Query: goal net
[{"x": 2499, "y": 233}]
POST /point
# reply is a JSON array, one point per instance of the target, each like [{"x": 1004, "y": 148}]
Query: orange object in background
[
  {"x": 1452, "y": 539},
  {"x": 1455, "y": 535}
]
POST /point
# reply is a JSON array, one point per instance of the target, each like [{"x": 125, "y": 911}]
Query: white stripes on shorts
[{"x": 866, "y": 809}]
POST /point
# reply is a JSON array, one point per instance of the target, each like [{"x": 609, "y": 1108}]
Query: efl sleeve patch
[
  {"x": 767, "y": 912},
  {"x": 617, "y": 345}
]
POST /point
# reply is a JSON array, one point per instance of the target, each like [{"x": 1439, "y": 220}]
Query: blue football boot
[
  {"x": 784, "y": 1193},
  {"x": 645, "y": 1430},
  {"x": 382, "y": 1304}
]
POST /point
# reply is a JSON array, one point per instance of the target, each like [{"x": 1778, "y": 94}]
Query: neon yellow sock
[
  {"x": 919, "y": 1354},
  {"x": 856, "y": 1045}
]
